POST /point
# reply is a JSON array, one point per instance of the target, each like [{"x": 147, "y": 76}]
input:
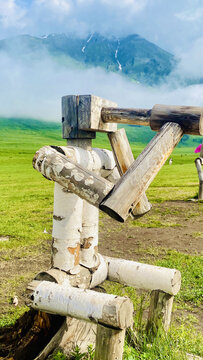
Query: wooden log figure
[{"x": 89, "y": 179}]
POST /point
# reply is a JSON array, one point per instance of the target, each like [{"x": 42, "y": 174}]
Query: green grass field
[{"x": 26, "y": 207}]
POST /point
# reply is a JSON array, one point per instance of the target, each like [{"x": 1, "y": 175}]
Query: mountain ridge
[{"x": 131, "y": 56}]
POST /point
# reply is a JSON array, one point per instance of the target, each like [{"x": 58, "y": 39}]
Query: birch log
[
  {"x": 81, "y": 332},
  {"x": 144, "y": 276},
  {"x": 81, "y": 280},
  {"x": 82, "y": 304},
  {"x": 101, "y": 161},
  {"x": 199, "y": 163},
  {"x": 159, "y": 312},
  {"x": 89, "y": 236},
  {"x": 131, "y": 186},
  {"x": 67, "y": 227},
  {"x": 124, "y": 158},
  {"x": 73, "y": 177},
  {"x": 109, "y": 343}
]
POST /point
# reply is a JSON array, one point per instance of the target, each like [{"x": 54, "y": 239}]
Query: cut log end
[
  {"x": 176, "y": 282},
  {"x": 113, "y": 214}
]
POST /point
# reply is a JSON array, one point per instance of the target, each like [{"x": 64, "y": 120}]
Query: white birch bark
[
  {"x": 98, "y": 160},
  {"x": 100, "y": 274},
  {"x": 73, "y": 177},
  {"x": 82, "y": 304},
  {"x": 89, "y": 236},
  {"x": 144, "y": 276},
  {"x": 67, "y": 227}
]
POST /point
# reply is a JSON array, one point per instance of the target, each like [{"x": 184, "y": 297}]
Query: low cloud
[
  {"x": 35, "y": 89},
  {"x": 190, "y": 61}
]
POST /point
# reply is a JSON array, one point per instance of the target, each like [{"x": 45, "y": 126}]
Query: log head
[
  {"x": 190, "y": 118},
  {"x": 81, "y": 116}
]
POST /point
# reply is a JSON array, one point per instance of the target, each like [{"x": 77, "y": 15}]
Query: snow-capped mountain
[{"x": 131, "y": 56}]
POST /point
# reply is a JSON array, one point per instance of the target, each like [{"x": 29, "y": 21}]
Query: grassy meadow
[{"x": 26, "y": 222}]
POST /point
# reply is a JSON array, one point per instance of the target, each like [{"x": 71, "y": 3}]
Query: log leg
[
  {"x": 67, "y": 226},
  {"x": 159, "y": 312},
  {"x": 79, "y": 332},
  {"x": 89, "y": 236},
  {"x": 109, "y": 343}
]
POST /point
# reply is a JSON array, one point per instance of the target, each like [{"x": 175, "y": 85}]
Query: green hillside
[
  {"x": 13, "y": 130},
  {"x": 132, "y": 56}
]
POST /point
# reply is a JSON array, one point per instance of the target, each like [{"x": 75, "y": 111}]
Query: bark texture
[
  {"x": 159, "y": 312},
  {"x": 109, "y": 343},
  {"x": 73, "y": 177},
  {"x": 144, "y": 276},
  {"x": 124, "y": 158},
  {"x": 190, "y": 118},
  {"x": 130, "y": 188},
  {"x": 82, "y": 304}
]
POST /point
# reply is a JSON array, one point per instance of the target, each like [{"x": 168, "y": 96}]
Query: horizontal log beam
[
  {"x": 81, "y": 304},
  {"x": 126, "y": 116},
  {"x": 129, "y": 189},
  {"x": 144, "y": 276},
  {"x": 190, "y": 118}
]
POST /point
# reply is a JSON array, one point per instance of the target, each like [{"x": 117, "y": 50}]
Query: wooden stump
[
  {"x": 109, "y": 343},
  {"x": 159, "y": 312}
]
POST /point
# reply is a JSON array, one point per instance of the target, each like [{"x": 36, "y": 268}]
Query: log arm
[
  {"x": 119, "y": 200},
  {"x": 124, "y": 158},
  {"x": 129, "y": 189},
  {"x": 71, "y": 176}
]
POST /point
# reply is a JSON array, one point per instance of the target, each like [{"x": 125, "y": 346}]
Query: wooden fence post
[
  {"x": 109, "y": 343},
  {"x": 159, "y": 312}
]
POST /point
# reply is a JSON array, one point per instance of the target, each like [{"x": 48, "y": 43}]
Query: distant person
[{"x": 170, "y": 161}]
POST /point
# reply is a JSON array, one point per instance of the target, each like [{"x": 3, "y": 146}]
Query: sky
[
  {"x": 35, "y": 89},
  {"x": 173, "y": 25}
]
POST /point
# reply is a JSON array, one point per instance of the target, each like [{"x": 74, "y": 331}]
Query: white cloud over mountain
[{"x": 35, "y": 89}]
